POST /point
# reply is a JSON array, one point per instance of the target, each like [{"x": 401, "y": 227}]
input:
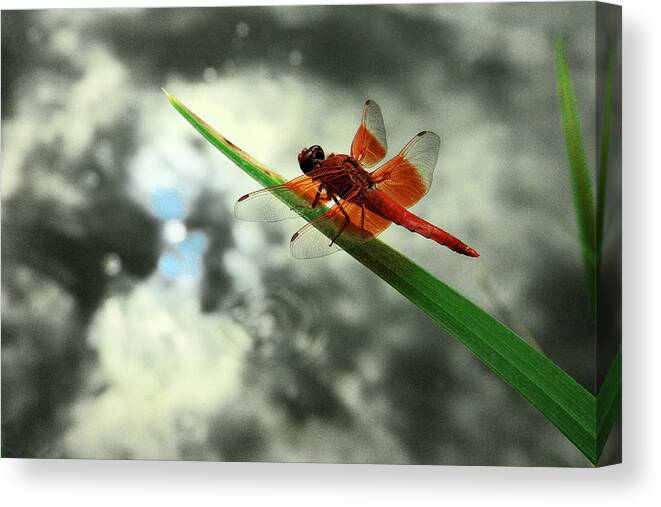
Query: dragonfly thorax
[{"x": 342, "y": 175}]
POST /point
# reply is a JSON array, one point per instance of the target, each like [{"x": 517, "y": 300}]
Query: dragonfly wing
[
  {"x": 266, "y": 205},
  {"x": 408, "y": 175},
  {"x": 369, "y": 145},
  {"x": 315, "y": 239}
]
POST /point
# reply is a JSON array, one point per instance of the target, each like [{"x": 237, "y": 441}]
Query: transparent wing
[
  {"x": 265, "y": 205},
  {"x": 408, "y": 175},
  {"x": 369, "y": 145},
  {"x": 334, "y": 230}
]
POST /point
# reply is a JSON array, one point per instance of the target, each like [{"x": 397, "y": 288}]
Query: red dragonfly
[{"x": 366, "y": 203}]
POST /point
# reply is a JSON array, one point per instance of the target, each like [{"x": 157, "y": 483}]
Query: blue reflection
[
  {"x": 168, "y": 204},
  {"x": 183, "y": 249}
]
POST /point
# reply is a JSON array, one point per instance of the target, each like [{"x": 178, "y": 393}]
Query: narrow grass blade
[
  {"x": 602, "y": 177},
  {"x": 578, "y": 169},
  {"x": 563, "y": 401},
  {"x": 608, "y": 402}
]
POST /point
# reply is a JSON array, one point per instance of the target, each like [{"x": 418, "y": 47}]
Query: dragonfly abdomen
[{"x": 379, "y": 202}]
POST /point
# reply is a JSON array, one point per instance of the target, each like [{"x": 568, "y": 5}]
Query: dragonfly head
[{"x": 310, "y": 157}]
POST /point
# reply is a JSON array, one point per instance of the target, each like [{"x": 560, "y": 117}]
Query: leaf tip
[{"x": 168, "y": 94}]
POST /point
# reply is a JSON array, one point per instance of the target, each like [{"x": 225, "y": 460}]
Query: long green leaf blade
[
  {"x": 563, "y": 401},
  {"x": 578, "y": 170}
]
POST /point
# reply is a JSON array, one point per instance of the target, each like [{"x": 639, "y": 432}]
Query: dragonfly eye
[{"x": 309, "y": 157}]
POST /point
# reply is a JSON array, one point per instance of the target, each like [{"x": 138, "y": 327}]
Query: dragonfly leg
[
  {"x": 318, "y": 196},
  {"x": 315, "y": 202},
  {"x": 347, "y": 219}
]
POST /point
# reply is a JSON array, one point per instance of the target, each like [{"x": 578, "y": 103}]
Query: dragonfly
[{"x": 364, "y": 203}]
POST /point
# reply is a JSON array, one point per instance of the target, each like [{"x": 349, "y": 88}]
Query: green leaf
[
  {"x": 563, "y": 401},
  {"x": 608, "y": 402},
  {"x": 610, "y": 395},
  {"x": 578, "y": 170}
]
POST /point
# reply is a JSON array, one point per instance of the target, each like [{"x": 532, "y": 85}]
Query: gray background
[{"x": 244, "y": 353}]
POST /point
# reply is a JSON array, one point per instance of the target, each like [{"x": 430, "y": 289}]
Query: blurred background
[{"x": 141, "y": 320}]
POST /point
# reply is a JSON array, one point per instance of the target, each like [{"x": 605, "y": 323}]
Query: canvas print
[{"x": 175, "y": 180}]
